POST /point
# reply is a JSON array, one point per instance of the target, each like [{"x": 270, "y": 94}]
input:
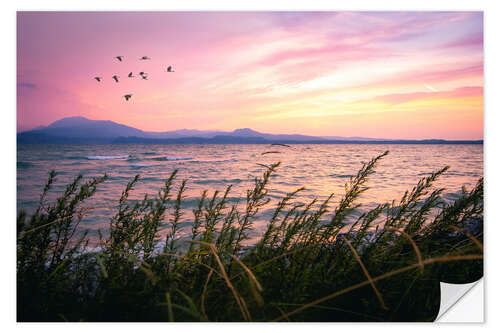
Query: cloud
[
  {"x": 457, "y": 93},
  {"x": 269, "y": 62},
  {"x": 474, "y": 40},
  {"x": 26, "y": 85},
  {"x": 331, "y": 53},
  {"x": 431, "y": 88}
]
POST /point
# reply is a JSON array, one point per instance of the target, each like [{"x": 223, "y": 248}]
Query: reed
[{"x": 310, "y": 264}]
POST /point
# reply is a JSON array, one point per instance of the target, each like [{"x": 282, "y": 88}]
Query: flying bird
[
  {"x": 265, "y": 166},
  {"x": 130, "y": 74},
  {"x": 98, "y": 79},
  {"x": 145, "y": 58},
  {"x": 115, "y": 77},
  {"x": 127, "y": 96},
  {"x": 119, "y": 58},
  {"x": 143, "y": 75},
  {"x": 280, "y": 144},
  {"x": 169, "y": 69}
]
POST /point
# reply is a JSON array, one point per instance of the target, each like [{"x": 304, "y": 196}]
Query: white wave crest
[
  {"x": 165, "y": 158},
  {"x": 111, "y": 157},
  {"x": 178, "y": 158}
]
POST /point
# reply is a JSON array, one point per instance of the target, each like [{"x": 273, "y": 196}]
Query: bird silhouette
[
  {"x": 130, "y": 74},
  {"x": 281, "y": 144},
  {"x": 115, "y": 77},
  {"x": 143, "y": 75},
  {"x": 98, "y": 79},
  {"x": 169, "y": 69},
  {"x": 119, "y": 58},
  {"x": 145, "y": 58},
  {"x": 127, "y": 96}
]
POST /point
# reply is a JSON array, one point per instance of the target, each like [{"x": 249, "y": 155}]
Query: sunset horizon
[
  {"x": 311, "y": 73},
  {"x": 243, "y": 128},
  {"x": 248, "y": 166}
]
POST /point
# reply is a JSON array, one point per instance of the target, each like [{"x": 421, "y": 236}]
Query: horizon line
[{"x": 242, "y": 128}]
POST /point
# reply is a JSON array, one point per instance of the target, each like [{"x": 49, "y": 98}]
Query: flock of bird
[{"x": 143, "y": 75}]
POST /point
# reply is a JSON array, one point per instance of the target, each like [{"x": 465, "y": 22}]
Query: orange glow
[{"x": 346, "y": 73}]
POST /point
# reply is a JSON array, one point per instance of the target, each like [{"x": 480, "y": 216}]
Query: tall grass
[{"x": 310, "y": 263}]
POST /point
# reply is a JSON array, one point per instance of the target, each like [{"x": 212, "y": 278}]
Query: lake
[{"x": 322, "y": 168}]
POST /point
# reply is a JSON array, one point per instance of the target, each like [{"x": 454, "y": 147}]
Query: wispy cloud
[
  {"x": 28, "y": 85},
  {"x": 474, "y": 41},
  {"x": 431, "y": 88},
  {"x": 269, "y": 64}
]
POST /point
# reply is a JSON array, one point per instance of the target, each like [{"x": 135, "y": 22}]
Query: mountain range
[{"x": 82, "y": 130}]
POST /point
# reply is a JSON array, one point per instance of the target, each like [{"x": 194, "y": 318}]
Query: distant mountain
[
  {"x": 80, "y": 127},
  {"x": 228, "y": 139},
  {"x": 249, "y": 133},
  {"x": 246, "y": 132},
  {"x": 352, "y": 138},
  {"x": 82, "y": 130},
  {"x": 72, "y": 122},
  {"x": 184, "y": 133},
  {"x": 238, "y": 133}
]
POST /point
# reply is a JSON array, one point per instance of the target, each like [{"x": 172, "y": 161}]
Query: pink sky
[{"x": 400, "y": 75}]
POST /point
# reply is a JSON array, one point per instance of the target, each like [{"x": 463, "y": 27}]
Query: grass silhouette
[{"x": 310, "y": 264}]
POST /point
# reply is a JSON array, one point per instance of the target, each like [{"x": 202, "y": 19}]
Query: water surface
[{"x": 322, "y": 169}]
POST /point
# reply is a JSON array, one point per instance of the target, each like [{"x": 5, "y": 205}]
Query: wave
[
  {"x": 75, "y": 158},
  {"x": 24, "y": 165},
  {"x": 139, "y": 165},
  {"x": 165, "y": 158},
  {"x": 340, "y": 176},
  {"x": 127, "y": 178},
  {"x": 110, "y": 157},
  {"x": 218, "y": 181},
  {"x": 215, "y": 161}
]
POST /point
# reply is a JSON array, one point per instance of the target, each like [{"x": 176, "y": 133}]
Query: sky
[{"x": 396, "y": 75}]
